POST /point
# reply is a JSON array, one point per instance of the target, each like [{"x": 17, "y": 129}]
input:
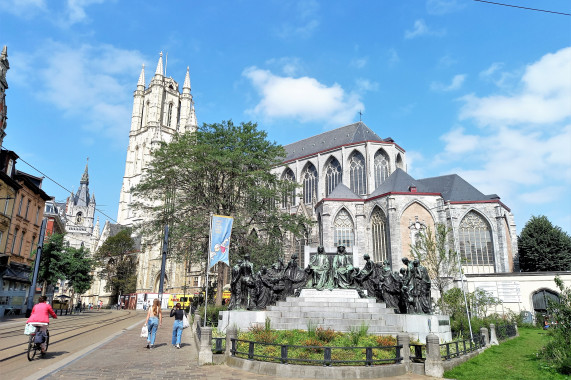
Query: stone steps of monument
[
  {"x": 330, "y": 303},
  {"x": 338, "y": 325},
  {"x": 337, "y": 309},
  {"x": 334, "y": 300}
]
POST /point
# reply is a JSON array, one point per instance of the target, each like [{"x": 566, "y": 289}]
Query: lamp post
[{"x": 36, "y": 269}]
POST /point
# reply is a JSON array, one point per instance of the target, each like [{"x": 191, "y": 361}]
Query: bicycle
[{"x": 34, "y": 348}]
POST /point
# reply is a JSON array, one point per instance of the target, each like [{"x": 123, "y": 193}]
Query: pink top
[{"x": 41, "y": 313}]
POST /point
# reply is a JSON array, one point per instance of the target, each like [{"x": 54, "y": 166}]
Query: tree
[
  {"x": 52, "y": 267},
  {"x": 557, "y": 350},
  {"x": 118, "y": 260},
  {"x": 78, "y": 267},
  {"x": 222, "y": 169},
  {"x": 543, "y": 247},
  {"x": 440, "y": 261}
]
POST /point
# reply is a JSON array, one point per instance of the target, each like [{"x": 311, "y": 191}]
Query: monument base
[{"x": 340, "y": 310}]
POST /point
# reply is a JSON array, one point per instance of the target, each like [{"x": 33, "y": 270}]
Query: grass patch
[{"x": 513, "y": 359}]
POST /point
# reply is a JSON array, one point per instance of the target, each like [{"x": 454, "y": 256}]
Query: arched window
[
  {"x": 333, "y": 175},
  {"x": 344, "y": 233},
  {"x": 399, "y": 162},
  {"x": 79, "y": 217},
  {"x": 381, "y": 167},
  {"x": 158, "y": 283},
  {"x": 358, "y": 176},
  {"x": 379, "y": 232},
  {"x": 476, "y": 245},
  {"x": 288, "y": 198},
  {"x": 309, "y": 178},
  {"x": 169, "y": 116}
]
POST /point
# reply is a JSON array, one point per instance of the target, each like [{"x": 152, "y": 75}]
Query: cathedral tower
[
  {"x": 79, "y": 215},
  {"x": 159, "y": 112}
]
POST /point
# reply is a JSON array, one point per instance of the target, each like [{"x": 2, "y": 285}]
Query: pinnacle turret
[
  {"x": 85, "y": 177},
  {"x": 160, "y": 70},
  {"x": 142, "y": 77},
  {"x": 186, "y": 85}
]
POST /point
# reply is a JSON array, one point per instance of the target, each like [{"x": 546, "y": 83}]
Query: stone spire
[
  {"x": 4, "y": 53},
  {"x": 85, "y": 176},
  {"x": 186, "y": 85},
  {"x": 159, "y": 70},
  {"x": 142, "y": 77}
]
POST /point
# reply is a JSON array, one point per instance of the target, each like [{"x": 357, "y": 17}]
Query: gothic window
[
  {"x": 379, "y": 232},
  {"x": 381, "y": 167},
  {"x": 476, "y": 246},
  {"x": 358, "y": 175},
  {"x": 344, "y": 233},
  {"x": 288, "y": 198},
  {"x": 399, "y": 162},
  {"x": 79, "y": 217},
  {"x": 300, "y": 243},
  {"x": 333, "y": 175},
  {"x": 169, "y": 116},
  {"x": 309, "y": 178}
]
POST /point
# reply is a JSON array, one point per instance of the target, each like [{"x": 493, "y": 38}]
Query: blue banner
[{"x": 220, "y": 229}]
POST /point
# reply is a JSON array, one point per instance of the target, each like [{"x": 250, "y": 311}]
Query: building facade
[
  {"x": 4, "y": 67},
  {"x": 159, "y": 112},
  {"x": 355, "y": 189}
]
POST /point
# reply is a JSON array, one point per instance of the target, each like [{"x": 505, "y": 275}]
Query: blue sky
[{"x": 464, "y": 87}]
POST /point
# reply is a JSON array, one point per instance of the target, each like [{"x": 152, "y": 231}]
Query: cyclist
[{"x": 41, "y": 317}]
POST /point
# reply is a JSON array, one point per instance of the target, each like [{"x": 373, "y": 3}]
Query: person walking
[
  {"x": 41, "y": 317},
  {"x": 153, "y": 322},
  {"x": 178, "y": 314}
]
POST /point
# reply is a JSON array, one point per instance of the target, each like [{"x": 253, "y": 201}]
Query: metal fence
[
  {"x": 448, "y": 350},
  {"x": 285, "y": 353},
  {"x": 505, "y": 331}
]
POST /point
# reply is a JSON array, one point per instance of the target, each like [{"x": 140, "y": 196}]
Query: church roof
[
  {"x": 453, "y": 188},
  {"x": 343, "y": 192},
  {"x": 398, "y": 181},
  {"x": 349, "y": 134}
]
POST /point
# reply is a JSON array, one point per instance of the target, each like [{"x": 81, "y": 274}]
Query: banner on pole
[{"x": 220, "y": 229}]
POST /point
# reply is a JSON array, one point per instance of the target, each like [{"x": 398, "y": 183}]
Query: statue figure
[
  {"x": 342, "y": 269},
  {"x": 403, "y": 295},
  {"x": 276, "y": 273},
  {"x": 367, "y": 278},
  {"x": 264, "y": 288},
  {"x": 247, "y": 283},
  {"x": 319, "y": 270},
  {"x": 408, "y": 286},
  {"x": 294, "y": 277},
  {"x": 234, "y": 286},
  {"x": 422, "y": 300},
  {"x": 390, "y": 286}
]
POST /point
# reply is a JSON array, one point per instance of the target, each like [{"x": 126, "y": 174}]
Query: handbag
[
  {"x": 144, "y": 331},
  {"x": 29, "y": 329},
  {"x": 185, "y": 323}
]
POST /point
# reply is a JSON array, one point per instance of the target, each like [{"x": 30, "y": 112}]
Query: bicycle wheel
[
  {"x": 32, "y": 348},
  {"x": 47, "y": 343}
]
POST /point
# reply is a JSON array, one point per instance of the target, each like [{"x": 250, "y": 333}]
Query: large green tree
[
  {"x": 543, "y": 246},
  {"x": 79, "y": 268},
  {"x": 433, "y": 251},
  {"x": 223, "y": 169},
  {"x": 117, "y": 259}
]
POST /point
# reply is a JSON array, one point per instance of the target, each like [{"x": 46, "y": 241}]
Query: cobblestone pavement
[{"x": 126, "y": 357}]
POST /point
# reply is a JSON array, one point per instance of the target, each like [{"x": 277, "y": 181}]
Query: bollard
[
  {"x": 404, "y": 341},
  {"x": 484, "y": 333},
  {"x": 516, "y": 330},
  {"x": 231, "y": 333},
  {"x": 205, "y": 349},
  {"x": 433, "y": 364},
  {"x": 493, "y": 337}
]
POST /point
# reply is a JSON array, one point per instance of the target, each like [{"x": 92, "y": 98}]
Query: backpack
[{"x": 40, "y": 337}]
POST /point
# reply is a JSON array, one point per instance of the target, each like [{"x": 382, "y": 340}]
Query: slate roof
[
  {"x": 352, "y": 133},
  {"x": 343, "y": 192},
  {"x": 452, "y": 187},
  {"x": 398, "y": 181}
]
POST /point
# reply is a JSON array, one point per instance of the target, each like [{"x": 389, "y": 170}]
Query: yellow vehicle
[{"x": 184, "y": 300}]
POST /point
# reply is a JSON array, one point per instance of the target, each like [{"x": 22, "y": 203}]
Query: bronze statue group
[{"x": 406, "y": 291}]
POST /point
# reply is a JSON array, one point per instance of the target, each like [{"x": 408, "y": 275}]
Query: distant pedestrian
[
  {"x": 153, "y": 322},
  {"x": 178, "y": 314}
]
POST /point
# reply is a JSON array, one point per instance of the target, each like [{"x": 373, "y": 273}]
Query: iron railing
[
  {"x": 458, "y": 348},
  {"x": 505, "y": 331},
  {"x": 286, "y": 351}
]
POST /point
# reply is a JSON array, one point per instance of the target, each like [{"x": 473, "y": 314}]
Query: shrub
[
  {"x": 385, "y": 341},
  {"x": 313, "y": 342},
  {"x": 325, "y": 335},
  {"x": 557, "y": 350}
]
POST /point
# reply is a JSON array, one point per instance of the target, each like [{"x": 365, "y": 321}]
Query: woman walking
[
  {"x": 178, "y": 314},
  {"x": 153, "y": 322}
]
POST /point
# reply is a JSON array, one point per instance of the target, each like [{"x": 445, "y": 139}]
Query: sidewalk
[{"x": 126, "y": 357}]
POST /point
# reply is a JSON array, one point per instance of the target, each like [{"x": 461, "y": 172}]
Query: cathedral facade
[
  {"x": 159, "y": 112},
  {"x": 354, "y": 187}
]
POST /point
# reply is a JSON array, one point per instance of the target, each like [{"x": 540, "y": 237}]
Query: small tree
[
  {"x": 78, "y": 267},
  {"x": 52, "y": 263},
  {"x": 441, "y": 262},
  {"x": 118, "y": 260},
  {"x": 557, "y": 350},
  {"x": 543, "y": 247}
]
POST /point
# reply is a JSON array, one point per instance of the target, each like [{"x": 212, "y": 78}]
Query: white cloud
[
  {"x": 304, "y": 98},
  {"x": 290, "y": 66},
  {"x": 494, "y": 67},
  {"x": 366, "y": 85},
  {"x": 455, "y": 84},
  {"x": 459, "y": 143},
  {"x": 393, "y": 57},
  {"x": 23, "y": 8},
  {"x": 544, "y": 95},
  {"x": 90, "y": 84},
  {"x": 304, "y": 20},
  {"x": 359, "y": 62},
  {"x": 440, "y": 7},
  {"x": 421, "y": 29},
  {"x": 75, "y": 11}
]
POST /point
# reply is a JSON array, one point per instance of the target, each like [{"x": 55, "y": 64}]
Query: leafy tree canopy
[
  {"x": 543, "y": 246},
  {"x": 118, "y": 261},
  {"x": 223, "y": 169}
]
